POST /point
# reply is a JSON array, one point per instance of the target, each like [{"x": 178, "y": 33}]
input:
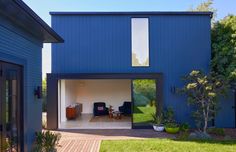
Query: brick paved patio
[{"x": 89, "y": 140}]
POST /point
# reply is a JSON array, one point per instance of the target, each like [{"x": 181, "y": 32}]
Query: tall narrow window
[{"x": 140, "y": 42}]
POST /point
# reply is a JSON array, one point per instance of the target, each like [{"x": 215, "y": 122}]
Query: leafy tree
[
  {"x": 223, "y": 43},
  {"x": 224, "y": 48},
  {"x": 146, "y": 88},
  {"x": 135, "y": 60},
  {"x": 203, "y": 92},
  {"x": 206, "y": 6}
]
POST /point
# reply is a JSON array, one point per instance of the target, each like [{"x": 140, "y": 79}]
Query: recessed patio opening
[
  {"x": 94, "y": 104},
  {"x": 103, "y": 101}
]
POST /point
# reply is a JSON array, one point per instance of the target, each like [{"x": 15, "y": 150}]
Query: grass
[
  {"x": 143, "y": 114},
  {"x": 167, "y": 145}
]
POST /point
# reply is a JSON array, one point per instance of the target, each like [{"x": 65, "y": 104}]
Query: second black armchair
[{"x": 125, "y": 108}]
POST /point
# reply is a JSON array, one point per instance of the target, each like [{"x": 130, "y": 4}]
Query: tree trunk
[
  {"x": 205, "y": 124},
  {"x": 206, "y": 119},
  {"x": 205, "y": 111}
]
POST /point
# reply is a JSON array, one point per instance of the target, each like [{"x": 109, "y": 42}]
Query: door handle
[
  {"x": 0, "y": 127},
  {"x": 234, "y": 107}
]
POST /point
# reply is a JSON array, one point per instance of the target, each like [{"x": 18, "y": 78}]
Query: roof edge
[
  {"x": 135, "y": 13},
  {"x": 37, "y": 19}
]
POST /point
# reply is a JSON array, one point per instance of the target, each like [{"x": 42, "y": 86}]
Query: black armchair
[
  {"x": 125, "y": 108},
  {"x": 99, "y": 109}
]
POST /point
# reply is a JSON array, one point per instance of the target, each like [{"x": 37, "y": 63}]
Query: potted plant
[
  {"x": 172, "y": 128},
  {"x": 157, "y": 123}
]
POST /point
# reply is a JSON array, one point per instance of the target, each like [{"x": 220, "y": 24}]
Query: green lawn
[
  {"x": 167, "y": 145},
  {"x": 143, "y": 114}
]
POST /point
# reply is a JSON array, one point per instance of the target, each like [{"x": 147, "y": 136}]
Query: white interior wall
[
  {"x": 111, "y": 91},
  {"x": 71, "y": 89},
  {"x": 62, "y": 98},
  {"x": 59, "y": 103},
  {"x": 66, "y": 97}
]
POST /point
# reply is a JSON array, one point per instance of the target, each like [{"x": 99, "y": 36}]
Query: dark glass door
[{"x": 10, "y": 107}]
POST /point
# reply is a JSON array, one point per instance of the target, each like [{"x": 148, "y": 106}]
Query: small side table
[{"x": 110, "y": 110}]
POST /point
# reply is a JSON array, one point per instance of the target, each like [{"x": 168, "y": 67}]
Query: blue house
[
  {"x": 22, "y": 34},
  {"x": 106, "y": 54}
]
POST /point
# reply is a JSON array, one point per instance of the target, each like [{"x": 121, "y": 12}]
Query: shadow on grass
[
  {"x": 213, "y": 141},
  {"x": 137, "y": 110}
]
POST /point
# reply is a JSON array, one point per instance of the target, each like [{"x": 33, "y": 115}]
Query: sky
[{"x": 43, "y": 7}]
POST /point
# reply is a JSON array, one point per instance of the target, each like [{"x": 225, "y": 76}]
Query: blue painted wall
[
  {"x": 17, "y": 46},
  {"x": 102, "y": 44}
]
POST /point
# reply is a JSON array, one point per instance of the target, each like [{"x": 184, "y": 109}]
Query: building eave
[
  {"x": 22, "y": 15},
  {"x": 135, "y": 13}
]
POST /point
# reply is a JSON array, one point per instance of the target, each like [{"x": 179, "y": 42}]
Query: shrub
[
  {"x": 184, "y": 127},
  {"x": 216, "y": 131},
  {"x": 183, "y": 136},
  {"x": 199, "y": 135},
  {"x": 5, "y": 145},
  {"x": 46, "y": 141}
]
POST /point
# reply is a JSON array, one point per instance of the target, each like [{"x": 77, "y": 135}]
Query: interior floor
[{"x": 88, "y": 121}]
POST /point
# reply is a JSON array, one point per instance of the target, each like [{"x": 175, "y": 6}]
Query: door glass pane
[
  {"x": 11, "y": 110},
  {"x": 14, "y": 114},
  {"x": 12, "y": 128},
  {"x": 144, "y": 101}
]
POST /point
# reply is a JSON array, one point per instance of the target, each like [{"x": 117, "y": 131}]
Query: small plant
[
  {"x": 169, "y": 115},
  {"x": 172, "y": 127},
  {"x": 157, "y": 122},
  {"x": 46, "y": 141},
  {"x": 157, "y": 119},
  {"x": 216, "y": 131},
  {"x": 184, "y": 127}
]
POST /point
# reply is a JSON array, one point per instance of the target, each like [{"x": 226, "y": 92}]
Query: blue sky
[{"x": 43, "y": 7}]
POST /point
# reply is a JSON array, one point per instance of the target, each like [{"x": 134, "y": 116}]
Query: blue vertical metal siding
[
  {"x": 18, "y": 47},
  {"x": 102, "y": 44},
  {"x": 226, "y": 114}
]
